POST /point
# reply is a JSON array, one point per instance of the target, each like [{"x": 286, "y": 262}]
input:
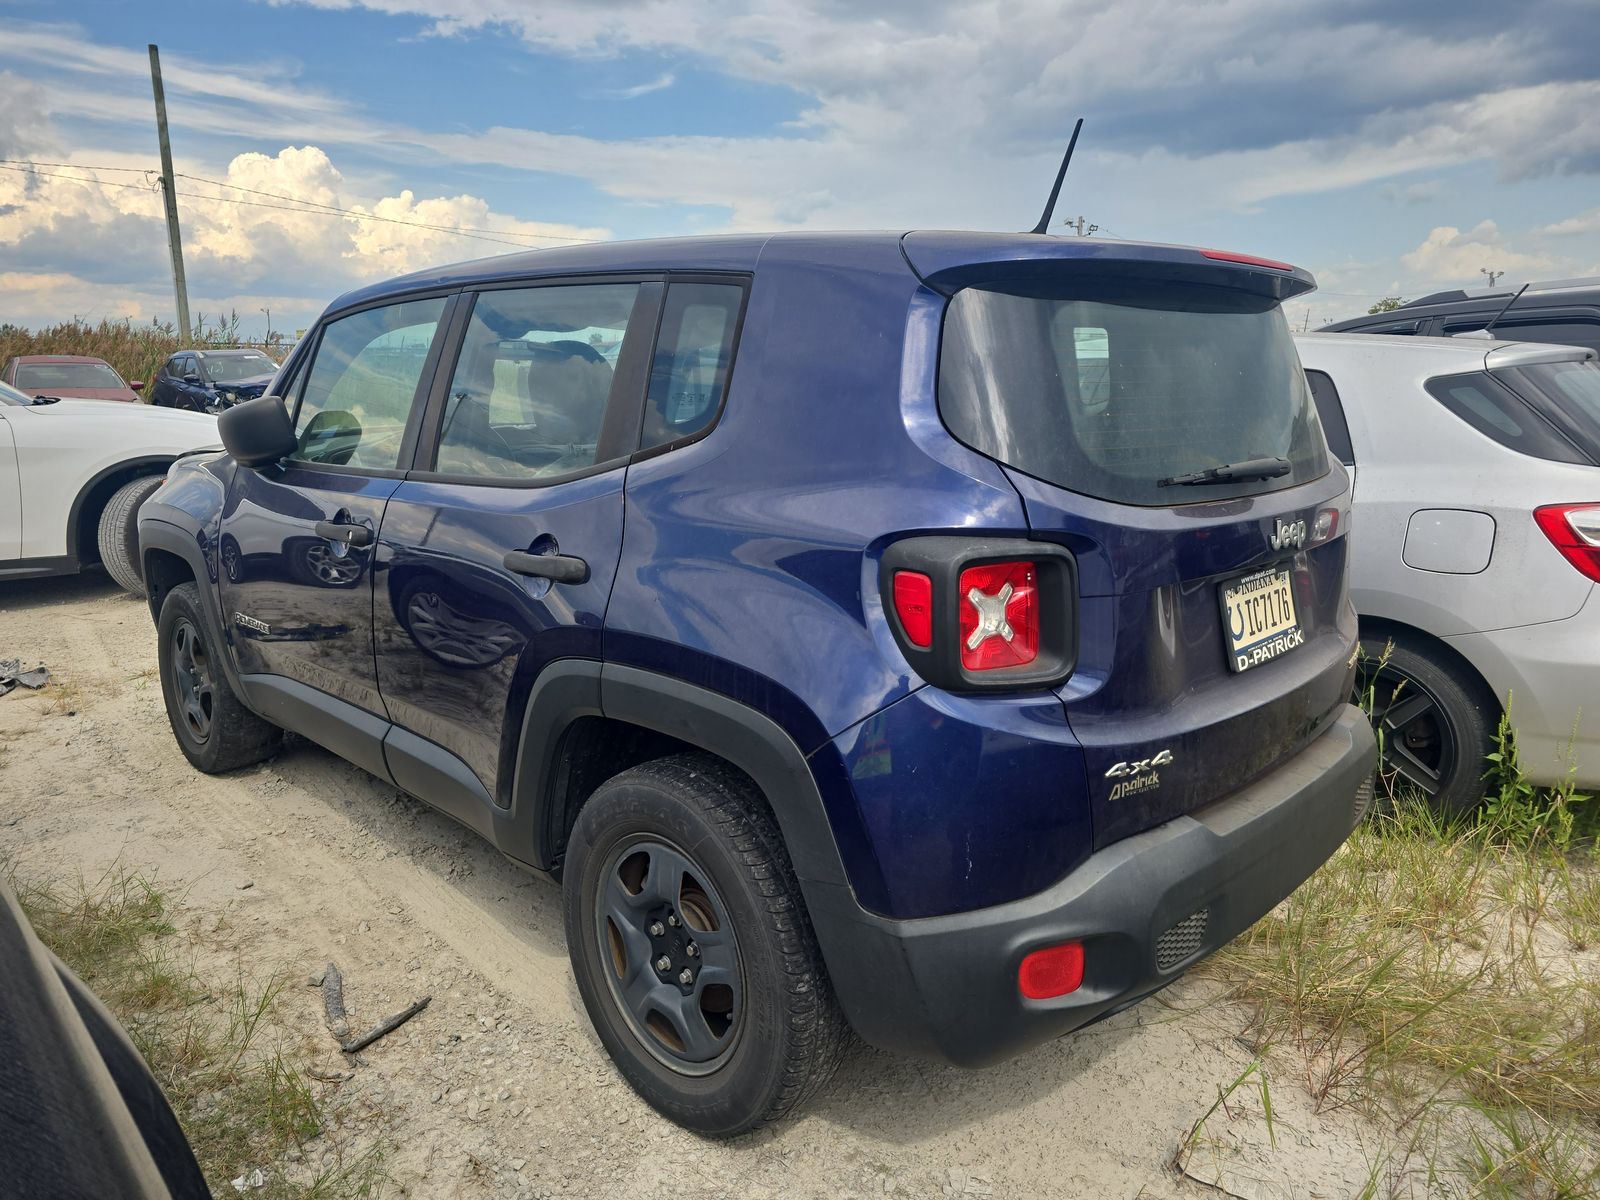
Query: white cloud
[
  {"x": 659, "y": 84},
  {"x": 1449, "y": 257},
  {"x": 1584, "y": 222}
]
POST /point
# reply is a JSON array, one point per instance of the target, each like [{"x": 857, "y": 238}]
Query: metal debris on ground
[{"x": 12, "y": 675}]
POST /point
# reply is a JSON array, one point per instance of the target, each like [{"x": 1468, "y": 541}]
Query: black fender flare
[{"x": 156, "y": 533}]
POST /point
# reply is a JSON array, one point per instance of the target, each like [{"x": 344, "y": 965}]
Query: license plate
[{"x": 1258, "y": 619}]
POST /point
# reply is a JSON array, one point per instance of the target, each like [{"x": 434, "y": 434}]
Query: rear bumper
[
  {"x": 946, "y": 987},
  {"x": 1551, "y": 673}
]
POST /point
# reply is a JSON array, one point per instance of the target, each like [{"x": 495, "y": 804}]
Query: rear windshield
[
  {"x": 1110, "y": 390},
  {"x": 41, "y": 377},
  {"x": 1570, "y": 396}
]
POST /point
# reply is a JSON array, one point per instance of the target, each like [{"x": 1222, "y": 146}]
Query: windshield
[
  {"x": 233, "y": 368},
  {"x": 51, "y": 377},
  {"x": 1113, "y": 389},
  {"x": 1570, "y": 391}
]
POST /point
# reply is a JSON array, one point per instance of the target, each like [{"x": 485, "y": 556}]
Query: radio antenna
[
  {"x": 1050, "y": 205},
  {"x": 1489, "y": 328}
]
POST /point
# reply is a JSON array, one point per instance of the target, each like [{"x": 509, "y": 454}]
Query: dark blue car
[
  {"x": 943, "y": 636},
  {"x": 211, "y": 380}
]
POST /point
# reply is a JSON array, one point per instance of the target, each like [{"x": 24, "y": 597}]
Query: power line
[{"x": 310, "y": 207}]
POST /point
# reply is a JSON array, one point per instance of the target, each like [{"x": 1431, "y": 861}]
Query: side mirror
[
  {"x": 191, "y": 377},
  {"x": 136, "y": 384},
  {"x": 257, "y": 432}
]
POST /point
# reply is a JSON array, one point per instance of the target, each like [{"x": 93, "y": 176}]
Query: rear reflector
[
  {"x": 1574, "y": 529},
  {"x": 999, "y": 610},
  {"x": 1249, "y": 260},
  {"x": 1053, "y": 971},
  {"x": 913, "y": 603}
]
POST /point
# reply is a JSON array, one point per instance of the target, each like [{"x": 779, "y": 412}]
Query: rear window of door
[
  {"x": 367, "y": 372},
  {"x": 535, "y": 379},
  {"x": 1330, "y": 411},
  {"x": 1114, "y": 389}
]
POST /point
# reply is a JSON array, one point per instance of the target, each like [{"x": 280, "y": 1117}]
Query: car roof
[
  {"x": 61, "y": 358},
  {"x": 741, "y": 252},
  {"x": 1429, "y": 356}
]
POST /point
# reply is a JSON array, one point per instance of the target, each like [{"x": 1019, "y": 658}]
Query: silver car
[{"x": 1476, "y": 543}]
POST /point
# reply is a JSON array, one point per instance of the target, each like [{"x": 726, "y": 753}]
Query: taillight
[
  {"x": 1248, "y": 260},
  {"x": 1053, "y": 971},
  {"x": 1573, "y": 529},
  {"x": 913, "y": 603},
  {"x": 982, "y": 614},
  {"x": 999, "y": 615}
]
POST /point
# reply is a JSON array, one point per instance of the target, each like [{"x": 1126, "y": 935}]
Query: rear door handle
[
  {"x": 563, "y": 568},
  {"x": 342, "y": 531}
]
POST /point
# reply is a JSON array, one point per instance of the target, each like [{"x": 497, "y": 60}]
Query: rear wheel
[
  {"x": 692, "y": 949},
  {"x": 119, "y": 532},
  {"x": 1435, "y": 720},
  {"x": 214, "y": 730}
]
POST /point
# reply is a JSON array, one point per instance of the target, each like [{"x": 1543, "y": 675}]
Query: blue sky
[{"x": 1391, "y": 148}]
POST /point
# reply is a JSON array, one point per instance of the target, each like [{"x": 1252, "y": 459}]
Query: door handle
[
  {"x": 563, "y": 568},
  {"x": 342, "y": 531}
]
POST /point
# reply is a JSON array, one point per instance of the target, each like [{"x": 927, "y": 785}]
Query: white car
[
  {"x": 1476, "y": 540},
  {"x": 72, "y": 476}
]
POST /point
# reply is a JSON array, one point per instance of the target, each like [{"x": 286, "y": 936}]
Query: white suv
[
  {"x": 73, "y": 474},
  {"x": 1476, "y": 542}
]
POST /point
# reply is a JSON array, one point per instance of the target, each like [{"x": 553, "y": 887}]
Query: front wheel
[
  {"x": 214, "y": 730},
  {"x": 118, "y": 535},
  {"x": 1435, "y": 721},
  {"x": 692, "y": 948}
]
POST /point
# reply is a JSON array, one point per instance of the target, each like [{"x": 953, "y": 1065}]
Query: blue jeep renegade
[{"x": 941, "y": 636}]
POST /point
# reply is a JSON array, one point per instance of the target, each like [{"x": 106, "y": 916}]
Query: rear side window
[
  {"x": 1498, "y": 413},
  {"x": 693, "y": 360},
  {"x": 533, "y": 381},
  {"x": 1568, "y": 393},
  {"x": 1330, "y": 411},
  {"x": 1112, "y": 389},
  {"x": 362, "y": 382}
]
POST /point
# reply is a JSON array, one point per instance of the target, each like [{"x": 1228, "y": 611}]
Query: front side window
[
  {"x": 1330, "y": 411},
  {"x": 363, "y": 381},
  {"x": 533, "y": 381},
  {"x": 1113, "y": 389},
  {"x": 693, "y": 359}
]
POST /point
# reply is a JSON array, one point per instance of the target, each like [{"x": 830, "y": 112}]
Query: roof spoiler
[{"x": 950, "y": 261}]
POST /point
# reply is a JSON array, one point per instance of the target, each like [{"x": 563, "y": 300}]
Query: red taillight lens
[
  {"x": 1573, "y": 529},
  {"x": 999, "y": 607},
  {"x": 1248, "y": 260},
  {"x": 1053, "y": 971},
  {"x": 913, "y": 603}
]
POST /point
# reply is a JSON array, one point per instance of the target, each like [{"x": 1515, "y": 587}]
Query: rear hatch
[{"x": 1215, "y": 631}]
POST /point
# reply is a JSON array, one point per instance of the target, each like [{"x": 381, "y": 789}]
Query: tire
[
  {"x": 775, "y": 1031},
  {"x": 214, "y": 730},
  {"x": 1436, "y": 720},
  {"x": 119, "y": 532}
]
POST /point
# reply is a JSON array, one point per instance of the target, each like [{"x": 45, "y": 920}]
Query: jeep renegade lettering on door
[{"x": 866, "y": 629}]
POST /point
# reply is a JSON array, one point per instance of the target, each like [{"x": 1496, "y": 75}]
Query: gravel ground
[{"x": 500, "y": 1088}]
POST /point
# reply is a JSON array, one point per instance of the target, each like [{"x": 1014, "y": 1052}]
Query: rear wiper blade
[{"x": 1250, "y": 468}]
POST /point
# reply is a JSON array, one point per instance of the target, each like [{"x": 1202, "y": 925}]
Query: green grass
[{"x": 235, "y": 1080}]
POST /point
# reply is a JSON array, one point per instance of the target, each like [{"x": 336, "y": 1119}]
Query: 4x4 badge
[
  {"x": 1140, "y": 775},
  {"x": 1123, "y": 770},
  {"x": 1288, "y": 533}
]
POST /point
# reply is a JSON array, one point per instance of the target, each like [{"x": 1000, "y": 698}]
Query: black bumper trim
[{"x": 946, "y": 987}]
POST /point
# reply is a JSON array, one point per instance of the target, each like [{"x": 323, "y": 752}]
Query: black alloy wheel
[
  {"x": 193, "y": 679},
  {"x": 1434, "y": 717},
  {"x": 676, "y": 975}
]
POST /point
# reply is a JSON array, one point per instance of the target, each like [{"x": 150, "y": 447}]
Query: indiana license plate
[{"x": 1259, "y": 620}]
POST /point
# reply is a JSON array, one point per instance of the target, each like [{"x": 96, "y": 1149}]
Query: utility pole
[
  {"x": 268, "y": 341},
  {"x": 1493, "y": 275},
  {"x": 169, "y": 193},
  {"x": 1084, "y": 228}
]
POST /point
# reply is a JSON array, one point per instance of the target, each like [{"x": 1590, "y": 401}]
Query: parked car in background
[
  {"x": 944, "y": 635},
  {"x": 69, "y": 377},
  {"x": 1563, "y": 311},
  {"x": 1477, "y": 548},
  {"x": 72, "y": 477},
  {"x": 211, "y": 380}
]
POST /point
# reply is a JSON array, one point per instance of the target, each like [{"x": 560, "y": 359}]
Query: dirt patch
[{"x": 499, "y": 1087}]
